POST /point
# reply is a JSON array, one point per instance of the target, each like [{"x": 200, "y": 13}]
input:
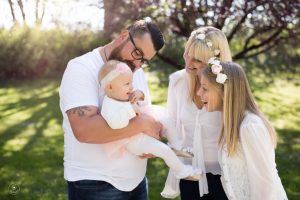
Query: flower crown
[
  {"x": 200, "y": 35},
  {"x": 216, "y": 69}
]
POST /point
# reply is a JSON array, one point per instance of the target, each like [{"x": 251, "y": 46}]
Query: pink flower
[
  {"x": 122, "y": 68},
  {"x": 216, "y": 69}
]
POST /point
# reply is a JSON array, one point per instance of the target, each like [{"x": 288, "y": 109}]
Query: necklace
[{"x": 105, "y": 54}]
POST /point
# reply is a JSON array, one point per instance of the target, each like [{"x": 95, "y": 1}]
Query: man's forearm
[{"x": 89, "y": 127}]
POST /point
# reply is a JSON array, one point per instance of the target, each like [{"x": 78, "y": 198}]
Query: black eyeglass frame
[{"x": 137, "y": 54}]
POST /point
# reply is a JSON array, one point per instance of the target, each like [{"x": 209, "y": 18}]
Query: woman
[
  {"x": 199, "y": 128},
  {"x": 247, "y": 140}
]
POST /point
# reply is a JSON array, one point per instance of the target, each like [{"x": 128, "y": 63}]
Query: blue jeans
[{"x": 101, "y": 190}]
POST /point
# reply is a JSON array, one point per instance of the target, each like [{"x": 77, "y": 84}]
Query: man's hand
[
  {"x": 136, "y": 96},
  {"x": 149, "y": 125}
]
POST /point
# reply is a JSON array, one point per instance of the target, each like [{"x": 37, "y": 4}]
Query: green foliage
[{"x": 32, "y": 52}]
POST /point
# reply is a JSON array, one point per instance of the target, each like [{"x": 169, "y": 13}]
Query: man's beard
[{"x": 116, "y": 55}]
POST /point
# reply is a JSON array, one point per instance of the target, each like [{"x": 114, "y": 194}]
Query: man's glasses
[{"x": 137, "y": 54}]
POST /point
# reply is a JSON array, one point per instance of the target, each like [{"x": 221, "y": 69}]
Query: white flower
[
  {"x": 221, "y": 78},
  {"x": 209, "y": 44},
  {"x": 147, "y": 19},
  {"x": 193, "y": 33},
  {"x": 216, "y": 52},
  {"x": 215, "y": 62},
  {"x": 200, "y": 36},
  {"x": 211, "y": 60}
]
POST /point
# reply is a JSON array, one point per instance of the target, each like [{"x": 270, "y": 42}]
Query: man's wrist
[{"x": 136, "y": 123}]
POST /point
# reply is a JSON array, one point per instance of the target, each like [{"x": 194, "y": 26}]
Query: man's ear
[{"x": 123, "y": 35}]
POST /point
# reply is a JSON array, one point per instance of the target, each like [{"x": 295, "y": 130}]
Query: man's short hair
[{"x": 141, "y": 27}]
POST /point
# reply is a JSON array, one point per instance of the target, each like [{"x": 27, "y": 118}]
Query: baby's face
[{"x": 122, "y": 86}]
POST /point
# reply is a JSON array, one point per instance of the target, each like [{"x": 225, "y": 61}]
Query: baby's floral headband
[
  {"x": 200, "y": 35},
  {"x": 121, "y": 68},
  {"x": 216, "y": 69}
]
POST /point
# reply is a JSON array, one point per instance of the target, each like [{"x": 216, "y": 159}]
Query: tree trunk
[
  {"x": 20, "y": 3},
  {"x": 39, "y": 17},
  {"x": 12, "y": 11},
  {"x": 118, "y": 13},
  {"x": 111, "y": 16}
]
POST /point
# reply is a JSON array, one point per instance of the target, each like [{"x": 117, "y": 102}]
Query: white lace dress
[{"x": 251, "y": 173}]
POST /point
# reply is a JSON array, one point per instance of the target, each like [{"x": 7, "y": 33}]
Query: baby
[{"x": 115, "y": 78}]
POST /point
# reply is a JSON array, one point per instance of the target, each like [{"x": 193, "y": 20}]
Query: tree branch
[
  {"x": 261, "y": 44},
  {"x": 243, "y": 19},
  {"x": 223, "y": 14},
  {"x": 169, "y": 61},
  {"x": 20, "y": 3},
  {"x": 12, "y": 11}
]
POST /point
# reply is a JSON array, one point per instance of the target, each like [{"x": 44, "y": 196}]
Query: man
[{"x": 88, "y": 171}]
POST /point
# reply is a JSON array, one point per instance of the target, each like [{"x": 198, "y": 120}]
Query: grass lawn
[{"x": 31, "y": 138}]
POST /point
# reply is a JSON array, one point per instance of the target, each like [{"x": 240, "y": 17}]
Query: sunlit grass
[
  {"x": 31, "y": 138},
  {"x": 31, "y": 141}
]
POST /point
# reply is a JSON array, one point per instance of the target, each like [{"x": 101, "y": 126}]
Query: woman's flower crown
[
  {"x": 216, "y": 69},
  {"x": 200, "y": 35}
]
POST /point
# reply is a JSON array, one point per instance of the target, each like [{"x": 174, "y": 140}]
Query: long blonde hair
[
  {"x": 199, "y": 50},
  {"x": 237, "y": 98}
]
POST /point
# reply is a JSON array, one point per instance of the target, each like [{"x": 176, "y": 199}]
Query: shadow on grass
[
  {"x": 31, "y": 147},
  {"x": 288, "y": 161}
]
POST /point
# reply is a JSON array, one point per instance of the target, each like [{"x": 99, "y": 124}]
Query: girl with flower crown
[
  {"x": 247, "y": 139},
  {"x": 199, "y": 129}
]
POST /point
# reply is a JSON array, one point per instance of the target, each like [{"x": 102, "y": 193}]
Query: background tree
[
  {"x": 40, "y": 6},
  {"x": 21, "y": 6},
  {"x": 252, "y": 27},
  {"x": 119, "y": 13},
  {"x": 12, "y": 11}
]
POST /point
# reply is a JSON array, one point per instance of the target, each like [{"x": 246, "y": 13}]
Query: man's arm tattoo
[{"x": 80, "y": 111}]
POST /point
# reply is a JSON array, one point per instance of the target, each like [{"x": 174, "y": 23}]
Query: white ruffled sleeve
[
  {"x": 171, "y": 189},
  {"x": 260, "y": 159},
  {"x": 172, "y": 100}
]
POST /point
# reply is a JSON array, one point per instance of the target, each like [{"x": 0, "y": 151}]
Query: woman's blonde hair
[
  {"x": 237, "y": 98},
  {"x": 198, "y": 49}
]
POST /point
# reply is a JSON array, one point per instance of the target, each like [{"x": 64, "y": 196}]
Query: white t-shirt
[{"x": 79, "y": 87}]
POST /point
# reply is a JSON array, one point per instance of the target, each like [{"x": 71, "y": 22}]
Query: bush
[{"x": 32, "y": 52}]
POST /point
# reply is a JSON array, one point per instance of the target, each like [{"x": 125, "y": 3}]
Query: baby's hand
[
  {"x": 136, "y": 109},
  {"x": 136, "y": 96}
]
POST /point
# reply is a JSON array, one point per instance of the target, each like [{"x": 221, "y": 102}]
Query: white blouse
[
  {"x": 199, "y": 131},
  {"x": 251, "y": 173}
]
